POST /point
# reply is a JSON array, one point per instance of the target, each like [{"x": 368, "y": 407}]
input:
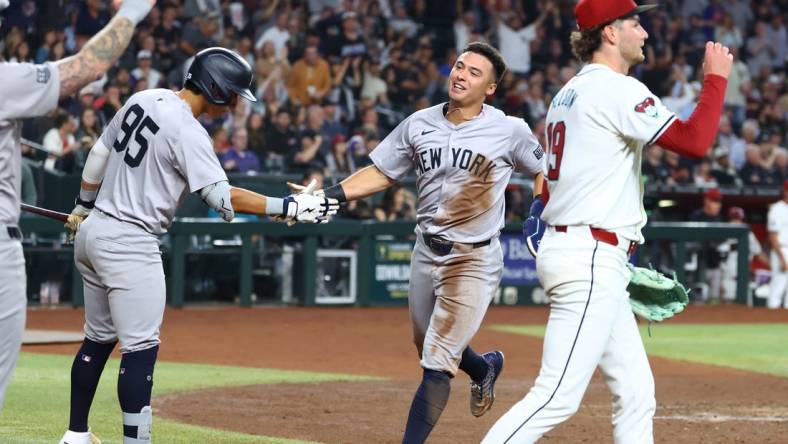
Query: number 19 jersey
[
  {"x": 596, "y": 128},
  {"x": 158, "y": 154}
]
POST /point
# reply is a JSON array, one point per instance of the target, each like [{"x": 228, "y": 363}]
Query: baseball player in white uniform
[
  {"x": 777, "y": 223},
  {"x": 29, "y": 90},
  {"x": 596, "y": 128},
  {"x": 464, "y": 153},
  {"x": 151, "y": 155}
]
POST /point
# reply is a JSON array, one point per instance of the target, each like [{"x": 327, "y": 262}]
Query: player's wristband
[
  {"x": 134, "y": 10},
  {"x": 88, "y": 204},
  {"x": 335, "y": 192},
  {"x": 274, "y": 206}
]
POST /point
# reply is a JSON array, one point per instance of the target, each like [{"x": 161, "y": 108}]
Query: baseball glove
[{"x": 654, "y": 296}]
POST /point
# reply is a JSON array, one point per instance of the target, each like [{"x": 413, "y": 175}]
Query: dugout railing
[{"x": 679, "y": 234}]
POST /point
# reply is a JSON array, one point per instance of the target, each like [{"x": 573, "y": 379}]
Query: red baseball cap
[
  {"x": 713, "y": 194},
  {"x": 591, "y": 13}
]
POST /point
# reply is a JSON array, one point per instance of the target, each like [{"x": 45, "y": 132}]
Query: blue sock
[
  {"x": 85, "y": 374},
  {"x": 473, "y": 364},
  {"x": 135, "y": 383},
  {"x": 427, "y": 406}
]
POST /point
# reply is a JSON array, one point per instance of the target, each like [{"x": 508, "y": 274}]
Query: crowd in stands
[{"x": 333, "y": 77}]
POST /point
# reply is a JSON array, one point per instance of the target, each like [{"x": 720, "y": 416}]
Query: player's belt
[
  {"x": 442, "y": 247},
  {"x": 12, "y": 232},
  {"x": 601, "y": 235}
]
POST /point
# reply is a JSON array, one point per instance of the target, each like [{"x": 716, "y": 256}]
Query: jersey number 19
[
  {"x": 139, "y": 123},
  {"x": 555, "y": 148}
]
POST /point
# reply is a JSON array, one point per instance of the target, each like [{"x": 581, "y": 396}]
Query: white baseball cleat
[{"x": 79, "y": 438}]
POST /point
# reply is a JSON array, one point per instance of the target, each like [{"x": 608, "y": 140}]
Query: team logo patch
[
  {"x": 86, "y": 358},
  {"x": 42, "y": 75},
  {"x": 647, "y": 107},
  {"x": 538, "y": 153}
]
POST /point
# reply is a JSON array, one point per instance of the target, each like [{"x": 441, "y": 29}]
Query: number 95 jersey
[
  {"x": 596, "y": 128},
  {"x": 158, "y": 154}
]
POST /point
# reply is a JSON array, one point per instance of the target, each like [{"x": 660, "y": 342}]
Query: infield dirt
[{"x": 696, "y": 403}]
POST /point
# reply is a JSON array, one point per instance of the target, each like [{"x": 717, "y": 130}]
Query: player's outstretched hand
[
  {"x": 717, "y": 60},
  {"x": 309, "y": 189},
  {"x": 308, "y": 208},
  {"x": 78, "y": 214}
]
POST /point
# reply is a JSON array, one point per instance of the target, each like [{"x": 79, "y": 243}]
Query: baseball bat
[{"x": 62, "y": 217}]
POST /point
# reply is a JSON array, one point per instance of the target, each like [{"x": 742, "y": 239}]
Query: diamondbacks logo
[{"x": 647, "y": 107}]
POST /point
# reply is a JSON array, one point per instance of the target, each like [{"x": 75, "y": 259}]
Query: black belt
[
  {"x": 442, "y": 247},
  {"x": 14, "y": 232}
]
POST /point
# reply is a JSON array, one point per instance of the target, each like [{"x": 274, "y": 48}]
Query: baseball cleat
[
  {"x": 79, "y": 438},
  {"x": 483, "y": 394}
]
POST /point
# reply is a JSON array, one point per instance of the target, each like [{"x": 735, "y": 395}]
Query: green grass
[
  {"x": 36, "y": 406},
  {"x": 760, "y": 348}
]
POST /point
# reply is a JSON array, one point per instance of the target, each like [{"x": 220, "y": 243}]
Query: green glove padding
[{"x": 654, "y": 296}]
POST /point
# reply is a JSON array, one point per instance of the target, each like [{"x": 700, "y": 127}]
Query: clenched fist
[{"x": 717, "y": 60}]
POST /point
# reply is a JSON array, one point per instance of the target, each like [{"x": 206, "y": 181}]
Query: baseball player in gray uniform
[
  {"x": 464, "y": 153},
  {"x": 29, "y": 90},
  {"x": 151, "y": 155}
]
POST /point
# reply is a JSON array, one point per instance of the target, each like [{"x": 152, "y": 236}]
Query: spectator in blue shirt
[{"x": 238, "y": 158}]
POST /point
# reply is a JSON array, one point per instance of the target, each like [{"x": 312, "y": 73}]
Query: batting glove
[
  {"x": 78, "y": 214},
  {"x": 534, "y": 226},
  {"x": 310, "y": 209}
]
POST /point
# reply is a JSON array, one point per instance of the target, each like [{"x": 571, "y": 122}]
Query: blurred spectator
[
  {"x": 281, "y": 140},
  {"x": 463, "y": 27},
  {"x": 91, "y": 18},
  {"x": 221, "y": 141},
  {"x": 310, "y": 79},
  {"x": 88, "y": 126},
  {"x": 346, "y": 78},
  {"x": 198, "y": 34},
  {"x": 332, "y": 123},
  {"x": 728, "y": 139},
  {"x": 777, "y": 222},
  {"x": 144, "y": 70},
  {"x": 109, "y": 103},
  {"x": 722, "y": 170},
  {"x": 398, "y": 203},
  {"x": 256, "y": 134},
  {"x": 48, "y": 41},
  {"x": 167, "y": 36},
  {"x": 710, "y": 212},
  {"x": 514, "y": 39},
  {"x": 678, "y": 169},
  {"x": 741, "y": 12},
  {"x": 703, "y": 175},
  {"x": 761, "y": 50},
  {"x": 515, "y": 203},
  {"x": 339, "y": 161},
  {"x": 727, "y": 33},
  {"x": 238, "y": 158},
  {"x": 350, "y": 42},
  {"x": 313, "y": 142},
  {"x": 59, "y": 141},
  {"x": 401, "y": 23},
  {"x": 753, "y": 172},
  {"x": 277, "y": 34},
  {"x": 776, "y": 32},
  {"x": 21, "y": 53},
  {"x": 374, "y": 87},
  {"x": 780, "y": 169}
]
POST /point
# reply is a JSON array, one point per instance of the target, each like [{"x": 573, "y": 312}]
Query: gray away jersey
[
  {"x": 26, "y": 90},
  {"x": 462, "y": 170},
  {"x": 158, "y": 154}
]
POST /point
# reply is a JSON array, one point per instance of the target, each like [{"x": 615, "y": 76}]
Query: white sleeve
[
  {"x": 527, "y": 154},
  {"x": 772, "y": 223},
  {"x": 28, "y": 90},
  {"x": 637, "y": 113},
  {"x": 52, "y": 142},
  {"x": 96, "y": 164},
  {"x": 394, "y": 155}
]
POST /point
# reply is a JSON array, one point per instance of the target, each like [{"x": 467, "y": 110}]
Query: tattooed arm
[{"x": 103, "y": 49}]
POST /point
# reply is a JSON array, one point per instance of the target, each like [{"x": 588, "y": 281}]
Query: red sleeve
[{"x": 694, "y": 136}]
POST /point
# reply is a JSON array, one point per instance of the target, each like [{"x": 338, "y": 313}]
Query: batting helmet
[{"x": 217, "y": 73}]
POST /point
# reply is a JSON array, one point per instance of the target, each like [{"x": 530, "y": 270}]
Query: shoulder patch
[
  {"x": 538, "y": 152},
  {"x": 42, "y": 75},
  {"x": 647, "y": 107}
]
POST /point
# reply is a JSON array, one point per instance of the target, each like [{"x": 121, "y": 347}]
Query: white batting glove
[
  {"x": 306, "y": 207},
  {"x": 78, "y": 214}
]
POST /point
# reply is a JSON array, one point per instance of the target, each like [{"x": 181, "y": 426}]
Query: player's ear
[{"x": 491, "y": 89}]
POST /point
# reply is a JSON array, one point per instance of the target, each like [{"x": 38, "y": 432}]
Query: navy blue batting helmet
[{"x": 218, "y": 73}]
